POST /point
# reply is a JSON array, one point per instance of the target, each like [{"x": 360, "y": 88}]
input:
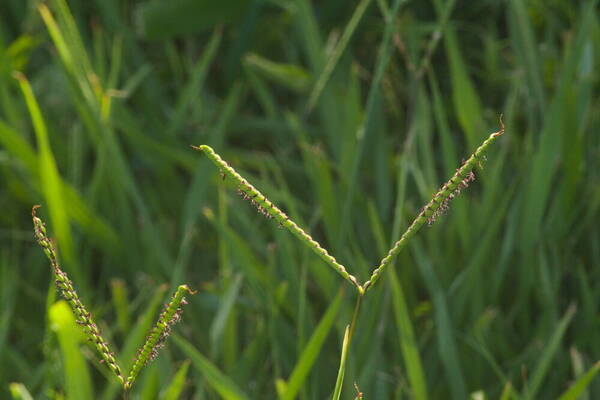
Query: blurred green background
[{"x": 348, "y": 115}]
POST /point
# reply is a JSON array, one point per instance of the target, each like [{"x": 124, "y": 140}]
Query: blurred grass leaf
[
  {"x": 49, "y": 176},
  {"x": 175, "y": 388},
  {"x": 406, "y": 336},
  {"x": 550, "y": 350},
  {"x": 18, "y": 391},
  {"x": 287, "y": 75},
  {"x": 581, "y": 384},
  {"x": 162, "y": 20},
  {"x": 76, "y": 374},
  {"x": 311, "y": 351},
  {"x": 222, "y": 384}
]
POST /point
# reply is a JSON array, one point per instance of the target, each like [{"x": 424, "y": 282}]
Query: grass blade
[
  {"x": 173, "y": 391},
  {"x": 447, "y": 348},
  {"x": 18, "y": 391},
  {"x": 222, "y": 384},
  {"x": 191, "y": 92},
  {"x": 49, "y": 176},
  {"x": 225, "y": 308},
  {"x": 577, "y": 388},
  {"x": 543, "y": 365},
  {"x": 77, "y": 376},
  {"x": 341, "y": 45},
  {"x": 311, "y": 351},
  {"x": 467, "y": 104},
  {"x": 406, "y": 336},
  {"x": 366, "y": 129},
  {"x": 337, "y": 392},
  {"x": 526, "y": 47},
  {"x": 290, "y": 76}
]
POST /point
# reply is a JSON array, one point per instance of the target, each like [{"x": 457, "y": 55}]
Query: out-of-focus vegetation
[{"x": 347, "y": 114}]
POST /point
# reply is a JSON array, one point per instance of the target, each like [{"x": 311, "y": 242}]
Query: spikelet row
[
  {"x": 438, "y": 204},
  {"x": 155, "y": 340},
  {"x": 267, "y": 208}
]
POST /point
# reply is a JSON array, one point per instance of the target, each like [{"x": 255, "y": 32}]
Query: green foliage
[{"x": 389, "y": 98}]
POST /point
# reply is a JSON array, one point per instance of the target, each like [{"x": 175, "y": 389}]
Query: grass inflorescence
[
  {"x": 170, "y": 315},
  {"x": 154, "y": 341},
  {"x": 438, "y": 205},
  {"x": 66, "y": 289}
]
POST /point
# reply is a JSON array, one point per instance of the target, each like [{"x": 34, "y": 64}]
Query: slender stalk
[
  {"x": 348, "y": 335},
  {"x": 355, "y": 317}
]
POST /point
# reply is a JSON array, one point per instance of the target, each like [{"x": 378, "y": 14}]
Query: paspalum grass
[
  {"x": 170, "y": 315},
  {"x": 437, "y": 206},
  {"x": 173, "y": 310}
]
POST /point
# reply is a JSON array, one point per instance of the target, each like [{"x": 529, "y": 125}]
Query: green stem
[
  {"x": 355, "y": 317},
  {"x": 348, "y": 335}
]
